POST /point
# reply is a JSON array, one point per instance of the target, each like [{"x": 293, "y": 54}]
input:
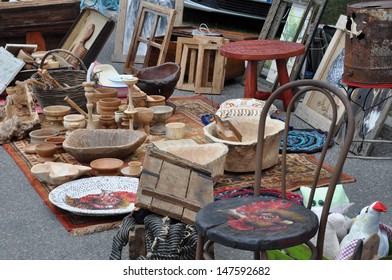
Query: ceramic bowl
[
  {"x": 107, "y": 166},
  {"x": 38, "y": 136},
  {"x": 87, "y": 145}
]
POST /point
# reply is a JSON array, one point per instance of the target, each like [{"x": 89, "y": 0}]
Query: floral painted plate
[{"x": 97, "y": 196}]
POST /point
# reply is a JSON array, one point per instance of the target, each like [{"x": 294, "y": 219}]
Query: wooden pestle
[{"x": 75, "y": 106}]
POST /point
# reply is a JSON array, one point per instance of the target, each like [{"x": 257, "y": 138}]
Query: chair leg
[{"x": 199, "y": 246}]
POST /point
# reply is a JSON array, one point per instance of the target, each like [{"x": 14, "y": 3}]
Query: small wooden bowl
[
  {"x": 57, "y": 140},
  {"x": 110, "y": 102},
  {"x": 156, "y": 100},
  {"x": 46, "y": 151},
  {"x": 107, "y": 166}
]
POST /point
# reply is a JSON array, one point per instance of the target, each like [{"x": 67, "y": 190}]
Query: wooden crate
[{"x": 172, "y": 186}]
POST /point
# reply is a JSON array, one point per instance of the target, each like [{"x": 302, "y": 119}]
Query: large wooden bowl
[
  {"x": 241, "y": 156},
  {"x": 87, "y": 145},
  {"x": 159, "y": 80}
]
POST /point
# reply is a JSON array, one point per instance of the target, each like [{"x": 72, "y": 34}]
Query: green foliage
[{"x": 335, "y": 8}]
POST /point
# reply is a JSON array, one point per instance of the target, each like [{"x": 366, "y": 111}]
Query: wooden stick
[{"x": 75, "y": 106}]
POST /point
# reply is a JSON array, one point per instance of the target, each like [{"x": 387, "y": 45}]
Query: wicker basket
[{"x": 73, "y": 78}]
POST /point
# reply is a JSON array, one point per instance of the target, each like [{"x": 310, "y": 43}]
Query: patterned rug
[
  {"x": 300, "y": 169},
  {"x": 189, "y": 110}
]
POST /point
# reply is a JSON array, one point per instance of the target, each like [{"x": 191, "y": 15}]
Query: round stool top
[
  {"x": 257, "y": 223},
  {"x": 261, "y": 49}
]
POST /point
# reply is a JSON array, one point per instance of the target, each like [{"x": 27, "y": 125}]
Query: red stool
[{"x": 257, "y": 50}]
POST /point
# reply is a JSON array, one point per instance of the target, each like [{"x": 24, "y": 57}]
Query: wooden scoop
[{"x": 226, "y": 130}]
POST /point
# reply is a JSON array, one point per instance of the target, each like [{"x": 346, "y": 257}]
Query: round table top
[{"x": 261, "y": 49}]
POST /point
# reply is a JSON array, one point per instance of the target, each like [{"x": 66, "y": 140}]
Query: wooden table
[{"x": 257, "y": 50}]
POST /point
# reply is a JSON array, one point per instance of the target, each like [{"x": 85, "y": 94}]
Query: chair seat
[{"x": 256, "y": 223}]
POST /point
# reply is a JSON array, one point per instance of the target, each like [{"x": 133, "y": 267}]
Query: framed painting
[{"x": 314, "y": 108}]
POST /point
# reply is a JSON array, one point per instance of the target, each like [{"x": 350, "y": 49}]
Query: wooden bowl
[
  {"x": 107, "y": 166},
  {"x": 46, "y": 151},
  {"x": 110, "y": 102},
  {"x": 241, "y": 156},
  {"x": 38, "y": 136},
  {"x": 156, "y": 100},
  {"x": 159, "y": 80},
  {"x": 57, "y": 140},
  {"x": 104, "y": 92},
  {"x": 87, "y": 145}
]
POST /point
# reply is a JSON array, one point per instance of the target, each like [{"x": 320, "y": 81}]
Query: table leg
[
  {"x": 283, "y": 78},
  {"x": 250, "y": 80}
]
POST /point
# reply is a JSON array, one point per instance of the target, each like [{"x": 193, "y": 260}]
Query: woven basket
[{"x": 73, "y": 78}]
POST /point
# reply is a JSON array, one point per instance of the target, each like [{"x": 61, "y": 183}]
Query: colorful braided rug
[{"x": 308, "y": 141}]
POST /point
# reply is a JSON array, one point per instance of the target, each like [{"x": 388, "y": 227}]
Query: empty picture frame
[
  {"x": 144, "y": 34},
  {"x": 314, "y": 108}
]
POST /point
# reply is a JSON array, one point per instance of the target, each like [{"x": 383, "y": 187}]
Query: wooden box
[
  {"x": 234, "y": 67},
  {"x": 172, "y": 186}
]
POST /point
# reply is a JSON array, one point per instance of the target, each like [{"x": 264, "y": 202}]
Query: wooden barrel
[{"x": 368, "y": 45}]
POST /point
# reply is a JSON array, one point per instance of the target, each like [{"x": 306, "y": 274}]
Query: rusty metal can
[{"x": 368, "y": 43}]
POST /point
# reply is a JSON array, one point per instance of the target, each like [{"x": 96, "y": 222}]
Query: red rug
[{"x": 189, "y": 111}]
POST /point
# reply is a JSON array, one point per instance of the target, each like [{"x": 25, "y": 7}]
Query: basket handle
[{"x": 62, "y": 50}]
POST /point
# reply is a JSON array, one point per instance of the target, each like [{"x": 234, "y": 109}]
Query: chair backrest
[{"x": 334, "y": 95}]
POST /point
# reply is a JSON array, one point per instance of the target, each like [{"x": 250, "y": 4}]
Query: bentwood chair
[{"x": 259, "y": 223}]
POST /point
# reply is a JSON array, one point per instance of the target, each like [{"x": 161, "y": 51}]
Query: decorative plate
[
  {"x": 97, "y": 196},
  {"x": 118, "y": 79}
]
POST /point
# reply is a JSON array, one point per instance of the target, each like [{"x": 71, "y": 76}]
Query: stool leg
[
  {"x": 250, "y": 80},
  {"x": 283, "y": 78},
  {"x": 199, "y": 246}
]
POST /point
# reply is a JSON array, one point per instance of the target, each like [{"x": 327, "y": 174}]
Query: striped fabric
[{"x": 166, "y": 239}]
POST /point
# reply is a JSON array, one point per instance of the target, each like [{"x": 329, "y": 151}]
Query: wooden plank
[
  {"x": 137, "y": 242},
  {"x": 173, "y": 179},
  {"x": 118, "y": 55},
  {"x": 151, "y": 166}
]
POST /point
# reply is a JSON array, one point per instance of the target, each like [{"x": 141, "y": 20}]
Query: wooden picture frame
[
  {"x": 314, "y": 108},
  {"x": 120, "y": 50},
  {"x": 159, "y": 14}
]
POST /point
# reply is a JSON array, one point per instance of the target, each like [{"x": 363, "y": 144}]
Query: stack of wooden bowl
[
  {"x": 100, "y": 93},
  {"x": 107, "y": 106}
]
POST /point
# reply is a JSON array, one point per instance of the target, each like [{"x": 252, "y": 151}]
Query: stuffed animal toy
[
  {"x": 339, "y": 197},
  {"x": 366, "y": 223},
  {"x": 336, "y": 221},
  {"x": 337, "y": 224}
]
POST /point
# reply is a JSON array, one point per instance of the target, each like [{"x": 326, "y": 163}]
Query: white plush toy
[
  {"x": 336, "y": 222},
  {"x": 366, "y": 223}
]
